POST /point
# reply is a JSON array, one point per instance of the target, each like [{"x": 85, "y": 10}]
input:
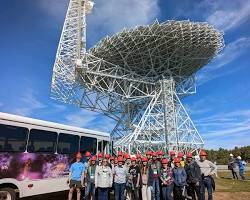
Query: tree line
[{"x": 221, "y": 155}]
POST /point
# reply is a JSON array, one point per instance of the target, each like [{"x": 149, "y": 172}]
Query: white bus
[{"x": 35, "y": 155}]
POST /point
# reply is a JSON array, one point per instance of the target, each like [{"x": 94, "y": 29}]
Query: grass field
[
  {"x": 225, "y": 183},
  {"x": 229, "y": 189}
]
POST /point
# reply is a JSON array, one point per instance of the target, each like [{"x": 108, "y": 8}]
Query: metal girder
[{"x": 165, "y": 124}]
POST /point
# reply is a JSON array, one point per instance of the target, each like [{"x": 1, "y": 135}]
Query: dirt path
[{"x": 232, "y": 195}]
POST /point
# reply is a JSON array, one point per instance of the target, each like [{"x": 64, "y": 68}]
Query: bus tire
[{"x": 7, "y": 193}]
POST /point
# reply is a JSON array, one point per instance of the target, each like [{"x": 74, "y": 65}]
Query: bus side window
[
  {"x": 12, "y": 138},
  {"x": 88, "y": 144},
  {"x": 100, "y": 146},
  {"x": 68, "y": 144},
  {"x": 42, "y": 141}
]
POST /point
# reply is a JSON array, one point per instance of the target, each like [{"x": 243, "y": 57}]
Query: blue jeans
[
  {"x": 206, "y": 183},
  {"x": 156, "y": 189},
  {"x": 119, "y": 191},
  {"x": 90, "y": 189},
  {"x": 167, "y": 192},
  {"x": 242, "y": 174},
  {"x": 103, "y": 194}
]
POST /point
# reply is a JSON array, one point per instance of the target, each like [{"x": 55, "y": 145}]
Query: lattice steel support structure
[
  {"x": 164, "y": 124},
  {"x": 137, "y": 77}
]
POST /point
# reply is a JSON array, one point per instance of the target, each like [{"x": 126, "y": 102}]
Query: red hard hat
[
  {"x": 99, "y": 155},
  {"x": 120, "y": 159},
  {"x": 172, "y": 153},
  {"x": 164, "y": 161},
  {"x": 180, "y": 154},
  {"x": 120, "y": 153},
  {"x": 138, "y": 156},
  {"x": 154, "y": 154},
  {"x": 177, "y": 160},
  {"x": 78, "y": 155},
  {"x": 112, "y": 158},
  {"x": 133, "y": 159},
  {"x": 93, "y": 158},
  {"x": 160, "y": 153},
  {"x": 189, "y": 155},
  {"x": 144, "y": 159},
  {"x": 148, "y": 153},
  {"x": 107, "y": 156},
  {"x": 203, "y": 153},
  {"x": 87, "y": 154},
  {"x": 127, "y": 156}
]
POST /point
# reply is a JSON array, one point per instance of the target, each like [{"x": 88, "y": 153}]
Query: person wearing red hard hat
[
  {"x": 207, "y": 171},
  {"x": 167, "y": 180},
  {"x": 87, "y": 161},
  {"x": 138, "y": 159},
  {"x": 180, "y": 177},
  {"x": 193, "y": 176},
  {"x": 120, "y": 154},
  {"x": 127, "y": 161},
  {"x": 120, "y": 175},
  {"x": 145, "y": 189},
  {"x": 160, "y": 155},
  {"x": 172, "y": 157},
  {"x": 112, "y": 158},
  {"x": 76, "y": 177},
  {"x": 154, "y": 174},
  {"x": 103, "y": 180},
  {"x": 133, "y": 183},
  {"x": 90, "y": 179},
  {"x": 116, "y": 161},
  {"x": 99, "y": 161},
  {"x": 107, "y": 156},
  {"x": 148, "y": 154},
  {"x": 180, "y": 155}
]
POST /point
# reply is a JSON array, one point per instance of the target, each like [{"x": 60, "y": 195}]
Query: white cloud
[
  {"x": 89, "y": 119},
  {"x": 220, "y": 13},
  {"x": 109, "y": 17},
  {"x": 231, "y": 52},
  {"x": 227, "y": 18},
  {"x": 29, "y": 104},
  {"x": 225, "y": 126},
  {"x": 80, "y": 119}
]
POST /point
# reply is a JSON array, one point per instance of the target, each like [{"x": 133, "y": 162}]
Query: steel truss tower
[{"x": 137, "y": 77}]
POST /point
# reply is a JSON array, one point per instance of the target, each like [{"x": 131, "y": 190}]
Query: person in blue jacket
[
  {"x": 241, "y": 164},
  {"x": 180, "y": 178}
]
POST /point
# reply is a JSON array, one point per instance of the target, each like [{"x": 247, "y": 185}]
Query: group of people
[
  {"x": 149, "y": 177},
  {"x": 236, "y": 163}
]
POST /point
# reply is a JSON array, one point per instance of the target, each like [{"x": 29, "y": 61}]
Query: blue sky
[{"x": 29, "y": 36}]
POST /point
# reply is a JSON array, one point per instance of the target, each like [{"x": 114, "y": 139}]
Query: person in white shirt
[
  {"x": 120, "y": 177},
  {"x": 103, "y": 180},
  {"x": 207, "y": 170}
]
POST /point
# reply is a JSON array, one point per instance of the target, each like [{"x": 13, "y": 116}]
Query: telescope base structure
[
  {"x": 164, "y": 125},
  {"x": 136, "y": 77}
]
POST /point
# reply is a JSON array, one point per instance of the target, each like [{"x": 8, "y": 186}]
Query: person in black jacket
[{"x": 193, "y": 177}]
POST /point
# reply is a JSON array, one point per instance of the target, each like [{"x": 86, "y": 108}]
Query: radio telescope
[{"x": 137, "y": 77}]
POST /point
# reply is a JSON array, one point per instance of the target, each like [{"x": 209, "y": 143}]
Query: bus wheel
[{"x": 7, "y": 194}]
